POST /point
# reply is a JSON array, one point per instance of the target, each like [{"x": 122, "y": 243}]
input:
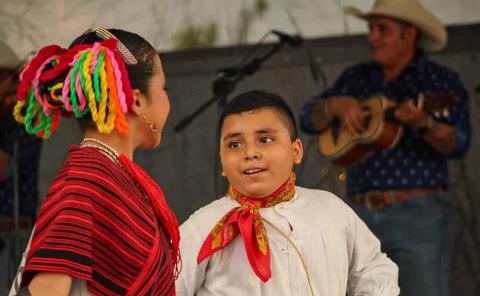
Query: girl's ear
[{"x": 139, "y": 105}]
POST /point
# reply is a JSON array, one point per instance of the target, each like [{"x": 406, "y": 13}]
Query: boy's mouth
[{"x": 253, "y": 171}]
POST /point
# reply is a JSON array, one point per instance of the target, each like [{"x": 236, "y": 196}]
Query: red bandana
[{"x": 247, "y": 221}]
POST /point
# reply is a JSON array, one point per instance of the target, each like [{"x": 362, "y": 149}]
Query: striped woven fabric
[{"x": 95, "y": 224}]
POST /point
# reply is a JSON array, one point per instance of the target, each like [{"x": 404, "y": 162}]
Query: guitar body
[{"x": 347, "y": 149}]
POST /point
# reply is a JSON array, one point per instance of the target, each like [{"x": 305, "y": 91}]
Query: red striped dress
[{"x": 95, "y": 224}]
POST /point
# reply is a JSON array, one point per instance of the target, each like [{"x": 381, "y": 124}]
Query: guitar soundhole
[
  {"x": 367, "y": 121},
  {"x": 335, "y": 130},
  {"x": 368, "y": 117}
]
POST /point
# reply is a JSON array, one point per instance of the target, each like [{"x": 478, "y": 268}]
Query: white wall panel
[{"x": 28, "y": 24}]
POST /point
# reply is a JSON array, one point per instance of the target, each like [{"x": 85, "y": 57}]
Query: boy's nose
[{"x": 252, "y": 153}]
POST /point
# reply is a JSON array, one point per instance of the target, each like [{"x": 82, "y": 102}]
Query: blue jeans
[
  {"x": 8, "y": 261},
  {"x": 416, "y": 234}
]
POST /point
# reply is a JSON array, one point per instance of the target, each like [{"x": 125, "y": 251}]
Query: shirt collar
[
  {"x": 416, "y": 64},
  {"x": 295, "y": 202},
  {"x": 418, "y": 61}
]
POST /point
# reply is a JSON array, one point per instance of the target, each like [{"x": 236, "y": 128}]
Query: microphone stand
[{"x": 226, "y": 83}]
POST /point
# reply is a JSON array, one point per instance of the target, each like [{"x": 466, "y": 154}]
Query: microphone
[{"x": 294, "y": 40}]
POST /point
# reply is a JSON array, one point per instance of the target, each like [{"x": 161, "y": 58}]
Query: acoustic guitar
[{"x": 381, "y": 129}]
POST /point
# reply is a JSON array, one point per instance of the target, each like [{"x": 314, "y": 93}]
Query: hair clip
[{"x": 127, "y": 56}]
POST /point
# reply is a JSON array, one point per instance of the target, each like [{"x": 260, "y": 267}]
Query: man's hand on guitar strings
[{"x": 351, "y": 114}]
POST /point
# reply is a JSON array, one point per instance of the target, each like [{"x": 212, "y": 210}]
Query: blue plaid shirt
[
  {"x": 413, "y": 162},
  {"x": 27, "y": 161}
]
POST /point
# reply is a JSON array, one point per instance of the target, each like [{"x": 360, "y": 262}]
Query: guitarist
[{"x": 400, "y": 192}]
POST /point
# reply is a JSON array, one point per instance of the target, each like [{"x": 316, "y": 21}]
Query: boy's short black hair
[{"x": 257, "y": 99}]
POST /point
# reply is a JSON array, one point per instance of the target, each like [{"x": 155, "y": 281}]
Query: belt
[
  {"x": 377, "y": 199},
  {"x": 8, "y": 224}
]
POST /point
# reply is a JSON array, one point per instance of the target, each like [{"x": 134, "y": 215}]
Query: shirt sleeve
[
  {"x": 342, "y": 86},
  {"x": 62, "y": 241},
  {"x": 371, "y": 272},
  {"x": 28, "y": 162},
  {"x": 192, "y": 275},
  {"x": 459, "y": 117}
]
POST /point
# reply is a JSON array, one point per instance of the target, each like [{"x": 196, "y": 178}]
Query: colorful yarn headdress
[{"x": 96, "y": 82}]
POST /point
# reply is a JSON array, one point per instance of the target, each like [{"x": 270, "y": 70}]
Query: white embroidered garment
[{"x": 341, "y": 254}]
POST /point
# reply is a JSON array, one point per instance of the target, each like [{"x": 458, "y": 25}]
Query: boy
[{"x": 267, "y": 236}]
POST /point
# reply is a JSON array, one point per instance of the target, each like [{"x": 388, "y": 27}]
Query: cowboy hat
[{"x": 433, "y": 35}]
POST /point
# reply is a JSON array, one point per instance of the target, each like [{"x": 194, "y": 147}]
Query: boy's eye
[
  {"x": 234, "y": 144},
  {"x": 265, "y": 140}
]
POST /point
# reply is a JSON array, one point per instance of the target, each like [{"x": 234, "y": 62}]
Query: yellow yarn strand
[
  {"x": 102, "y": 106},
  {"x": 112, "y": 98},
  {"x": 17, "y": 111},
  {"x": 110, "y": 124},
  {"x": 92, "y": 104},
  {"x": 104, "y": 92}
]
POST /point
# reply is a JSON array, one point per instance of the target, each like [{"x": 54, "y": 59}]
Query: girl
[{"x": 104, "y": 227}]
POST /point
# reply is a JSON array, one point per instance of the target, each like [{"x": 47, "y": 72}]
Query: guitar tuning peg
[{"x": 446, "y": 113}]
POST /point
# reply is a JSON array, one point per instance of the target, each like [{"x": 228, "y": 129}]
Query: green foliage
[
  {"x": 196, "y": 36},
  {"x": 206, "y": 35},
  {"x": 247, "y": 16},
  {"x": 261, "y": 6}
]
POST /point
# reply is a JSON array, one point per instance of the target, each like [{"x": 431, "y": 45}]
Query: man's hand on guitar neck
[
  {"x": 409, "y": 114},
  {"x": 348, "y": 109},
  {"x": 439, "y": 135}
]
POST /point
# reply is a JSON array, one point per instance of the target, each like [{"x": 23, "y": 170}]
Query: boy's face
[{"x": 257, "y": 152}]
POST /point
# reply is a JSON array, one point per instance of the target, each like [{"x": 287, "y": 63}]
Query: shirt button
[{"x": 297, "y": 285}]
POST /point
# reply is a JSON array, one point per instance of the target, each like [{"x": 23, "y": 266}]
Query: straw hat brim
[{"x": 433, "y": 35}]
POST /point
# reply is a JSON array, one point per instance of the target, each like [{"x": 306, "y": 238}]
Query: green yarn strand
[{"x": 96, "y": 74}]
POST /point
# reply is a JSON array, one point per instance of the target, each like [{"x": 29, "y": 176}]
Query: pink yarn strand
[
  {"x": 66, "y": 86},
  {"x": 118, "y": 79},
  {"x": 35, "y": 83},
  {"x": 95, "y": 51},
  {"x": 81, "y": 97}
]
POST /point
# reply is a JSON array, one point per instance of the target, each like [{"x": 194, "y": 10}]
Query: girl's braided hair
[{"x": 91, "y": 80}]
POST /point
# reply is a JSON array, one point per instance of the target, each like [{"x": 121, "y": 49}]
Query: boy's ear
[
  {"x": 139, "y": 102},
  {"x": 297, "y": 151}
]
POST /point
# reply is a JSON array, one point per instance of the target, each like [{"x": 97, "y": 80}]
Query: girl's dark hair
[
  {"x": 257, "y": 99},
  {"x": 138, "y": 74}
]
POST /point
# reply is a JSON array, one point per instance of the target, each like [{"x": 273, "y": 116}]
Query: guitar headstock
[{"x": 437, "y": 105}]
